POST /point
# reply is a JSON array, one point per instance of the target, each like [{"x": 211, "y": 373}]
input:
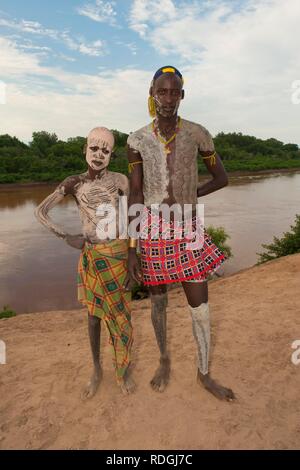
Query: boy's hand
[{"x": 75, "y": 241}]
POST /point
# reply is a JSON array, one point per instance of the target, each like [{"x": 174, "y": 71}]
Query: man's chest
[{"x": 161, "y": 151}]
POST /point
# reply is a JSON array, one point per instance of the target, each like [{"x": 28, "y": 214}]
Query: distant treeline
[{"x": 47, "y": 158}]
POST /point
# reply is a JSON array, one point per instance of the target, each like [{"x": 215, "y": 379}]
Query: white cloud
[
  {"x": 65, "y": 57},
  {"x": 69, "y": 104},
  {"x": 238, "y": 63},
  {"x": 131, "y": 46},
  {"x": 29, "y": 27},
  {"x": 153, "y": 11},
  {"x": 35, "y": 48},
  {"x": 95, "y": 49},
  {"x": 238, "y": 66},
  {"x": 28, "y": 45},
  {"x": 100, "y": 11},
  {"x": 15, "y": 63}
]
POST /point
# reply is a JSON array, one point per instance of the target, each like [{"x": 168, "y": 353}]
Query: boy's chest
[{"x": 91, "y": 195}]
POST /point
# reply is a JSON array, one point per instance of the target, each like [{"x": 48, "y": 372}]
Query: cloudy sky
[{"x": 67, "y": 66}]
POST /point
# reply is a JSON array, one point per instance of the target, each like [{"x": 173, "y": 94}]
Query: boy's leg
[
  {"x": 127, "y": 384},
  {"x": 94, "y": 327}
]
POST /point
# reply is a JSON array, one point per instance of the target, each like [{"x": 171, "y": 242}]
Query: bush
[
  {"x": 7, "y": 312},
  {"x": 219, "y": 237},
  {"x": 288, "y": 244}
]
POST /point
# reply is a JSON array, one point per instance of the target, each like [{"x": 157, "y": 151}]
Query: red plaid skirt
[{"x": 169, "y": 255}]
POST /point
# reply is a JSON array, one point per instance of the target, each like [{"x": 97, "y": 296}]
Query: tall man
[
  {"x": 102, "y": 265},
  {"x": 163, "y": 161}
]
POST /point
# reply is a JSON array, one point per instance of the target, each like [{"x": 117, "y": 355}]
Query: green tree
[
  {"x": 120, "y": 138},
  {"x": 42, "y": 141}
]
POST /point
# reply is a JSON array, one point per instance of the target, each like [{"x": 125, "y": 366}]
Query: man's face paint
[
  {"x": 165, "y": 111},
  {"x": 100, "y": 143},
  {"x": 167, "y": 94}
]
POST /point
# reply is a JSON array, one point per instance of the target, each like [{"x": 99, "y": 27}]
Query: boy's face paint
[
  {"x": 98, "y": 155},
  {"x": 100, "y": 144}
]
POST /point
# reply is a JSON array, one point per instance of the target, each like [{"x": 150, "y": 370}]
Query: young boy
[{"x": 102, "y": 268}]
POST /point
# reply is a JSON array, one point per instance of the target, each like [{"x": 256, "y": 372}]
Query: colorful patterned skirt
[
  {"x": 171, "y": 253},
  {"x": 102, "y": 270}
]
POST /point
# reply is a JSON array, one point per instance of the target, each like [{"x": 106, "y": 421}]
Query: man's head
[
  {"x": 166, "y": 91},
  {"x": 100, "y": 144}
]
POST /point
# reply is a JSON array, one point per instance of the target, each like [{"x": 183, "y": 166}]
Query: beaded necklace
[{"x": 166, "y": 143}]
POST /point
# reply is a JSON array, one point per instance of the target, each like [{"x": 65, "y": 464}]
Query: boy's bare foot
[
  {"x": 92, "y": 386},
  {"x": 127, "y": 385}
]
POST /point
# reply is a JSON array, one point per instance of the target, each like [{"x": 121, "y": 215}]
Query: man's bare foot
[
  {"x": 161, "y": 376},
  {"x": 213, "y": 387},
  {"x": 92, "y": 386},
  {"x": 127, "y": 385}
]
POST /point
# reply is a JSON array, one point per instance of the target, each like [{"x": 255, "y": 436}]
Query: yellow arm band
[
  {"x": 212, "y": 157},
  {"x": 131, "y": 165}
]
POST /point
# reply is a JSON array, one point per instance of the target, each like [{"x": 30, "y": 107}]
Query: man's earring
[{"x": 151, "y": 107}]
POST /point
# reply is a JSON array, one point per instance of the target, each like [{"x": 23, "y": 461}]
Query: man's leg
[
  {"x": 197, "y": 297},
  {"x": 159, "y": 301},
  {"x": 94, "y": 327}
]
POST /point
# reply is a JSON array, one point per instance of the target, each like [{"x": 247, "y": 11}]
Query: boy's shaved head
[{"x": 101, "y": 135}]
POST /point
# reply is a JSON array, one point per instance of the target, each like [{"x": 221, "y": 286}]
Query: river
[{"x": 38, "y": 270}]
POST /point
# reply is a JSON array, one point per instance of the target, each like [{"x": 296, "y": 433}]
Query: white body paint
[
  {"x": 94, "y": 198},
  {"x": 190, "y": 139},
  {"x": 201, "y": 331},
  {"x": 91, "y": 194}
]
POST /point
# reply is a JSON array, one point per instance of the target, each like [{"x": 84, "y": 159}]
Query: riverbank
[
  {"x": 254, "y": 322},
  {"x": 231, "y": 174}
]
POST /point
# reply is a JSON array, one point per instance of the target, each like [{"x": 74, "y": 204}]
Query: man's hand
[
  {"x": 76, "y": 241},
  {"x": 134, "y": 270},
  {"x": 129, "y": 283}
]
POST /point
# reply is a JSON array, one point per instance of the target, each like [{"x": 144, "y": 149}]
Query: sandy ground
[{"x": 255, "y": 319}]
